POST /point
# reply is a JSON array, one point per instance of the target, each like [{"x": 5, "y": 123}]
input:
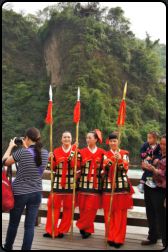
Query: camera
[{"x": 18, "y": 140}]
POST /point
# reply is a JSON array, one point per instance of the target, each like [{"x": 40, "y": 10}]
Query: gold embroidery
[
  {"x": 59, "y": 179},
  {"x": 119, "y": 179},
  {"x": 54, "y": 185},
  {"x": 66, "y": 187},
  {"x": 109, "y": 185},
  {"x": 104, "y": 183},
  {"x": 60, "y": 171},
  {"x": 91, "y": 185},
  {"x": 85, "y": 178},
  {"x": 83, "y": 170},
  {"x": 125, "y": 184},
  {"x": 86, "y": 170},
  {"x": 125, "y": 178},
  {"x": 71, "y": 172},
  {"x": 119, "y": 173},
  {"x": 71, "y": 180},
  {"x": 56, "y": 170},
  {"x": 60, "y": 165},
  {"x": 66, "y": 180},
  {"x": 123, "y": 173},
  {"x": 55, "y": 179},
  {"x": 98, "y": 165},
  {"x": 87, "y": 164},
  {"x": 80, "y": 184},
  {"x": 109, "y": 180},
  {"x": 71, "y": 186},
  {"x": 59, "y": 186},
  {"x": 120, "y": 185},
  {"x": 85, "y": 185}
]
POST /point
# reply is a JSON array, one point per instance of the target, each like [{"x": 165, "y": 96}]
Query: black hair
[
  {"x": 95, "y": 135},
  {"x": 113, "y": 136},
  {"x": 164, "y": 136},
  {"x": 34, "y": 135}
]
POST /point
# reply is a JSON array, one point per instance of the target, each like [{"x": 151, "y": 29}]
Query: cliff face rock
[{"x": 53, "y": 59}]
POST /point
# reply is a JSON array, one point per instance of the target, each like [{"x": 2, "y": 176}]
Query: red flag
[
  {"x": 77, "y": 112},
  {"x": 122, "y": 105},
  {"x": 49, "y": 118}
]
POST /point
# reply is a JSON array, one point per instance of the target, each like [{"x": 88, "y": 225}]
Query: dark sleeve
[{"x": 143, "y": 151}]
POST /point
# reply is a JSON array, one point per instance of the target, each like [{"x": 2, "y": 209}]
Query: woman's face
[
  {"x": 66, "y": 139},
  {"x": 91, "y": 140},
  {"x": 163, "y": 145},
  {"x": 113, "y": 144}
]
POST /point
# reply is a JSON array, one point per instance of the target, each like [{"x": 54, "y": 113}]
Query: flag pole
[
  {"x": 114, "y": 178},
  {"x": 52, "y": 200},
  {"x": 74, "y": 185}
]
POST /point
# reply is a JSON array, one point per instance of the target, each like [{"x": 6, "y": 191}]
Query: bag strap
[{"x": 33, "y": 154}]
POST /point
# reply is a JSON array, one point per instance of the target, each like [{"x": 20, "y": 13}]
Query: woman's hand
[
  {"x": 10, "y": 159},
  {"x": 50, "y": 154},
  {"x": 165, "y": 203},
  {"x": 117, "y": 155},
  {"x": 148, "y": 158},
  {"x": 155, "y": 161},
  {"x": 151, "y": 168},
  {"x": 12, "y": 143},
  {"x": 24, "y": 144},
  {"x": 144, "y": 165},
  {"x": 77, "y": 144}
]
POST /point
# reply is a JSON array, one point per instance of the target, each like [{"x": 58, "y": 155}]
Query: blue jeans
[{"x": 32, "y": 202}]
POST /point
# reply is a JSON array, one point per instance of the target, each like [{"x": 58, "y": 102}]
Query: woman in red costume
[
  {"x": 63, "y": 179},
  {"x": 122, "y": 198},
  {"x": 89, "y": 196}
]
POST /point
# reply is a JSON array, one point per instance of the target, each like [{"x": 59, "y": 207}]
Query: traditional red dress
[
  {"x": 89, "y": 196},
  {"x": 122, "y": 198},
  {"x": 63, "y": 179}
]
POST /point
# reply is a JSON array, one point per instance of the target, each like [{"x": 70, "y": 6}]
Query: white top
[
  {"x": 95, "y": 149},
  {"x": 67, "y": 149},
  {"x": 115, "y": 151}
]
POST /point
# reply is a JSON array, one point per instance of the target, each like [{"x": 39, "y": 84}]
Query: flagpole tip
[
  {"x": 50, "y": 93},
  {"x": 125, "y": 90},
  {"x": 78, "y": 94}
]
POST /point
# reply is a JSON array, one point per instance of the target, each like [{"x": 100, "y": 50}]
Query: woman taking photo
[
  {"x": 123, "y": 190},
  {"x": 89, "y": 197},
  {"x": 155, "y": 198},
  {"x": 63, "y": 166},
  {"x": 32, "y": 160}
]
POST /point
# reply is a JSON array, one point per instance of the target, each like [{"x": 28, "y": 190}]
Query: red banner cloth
[
  {"x": 49, "y": 118},
  {"x": 122, "y": 105},
  {"x": 77, "y": 112}
]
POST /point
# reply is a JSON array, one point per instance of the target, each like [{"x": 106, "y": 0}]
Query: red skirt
[
  {"x": 88, "y": 201},
  {"x": 61, "y": 201}
]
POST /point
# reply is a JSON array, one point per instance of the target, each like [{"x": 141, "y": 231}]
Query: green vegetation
[{"x": 96, "y": 55}]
